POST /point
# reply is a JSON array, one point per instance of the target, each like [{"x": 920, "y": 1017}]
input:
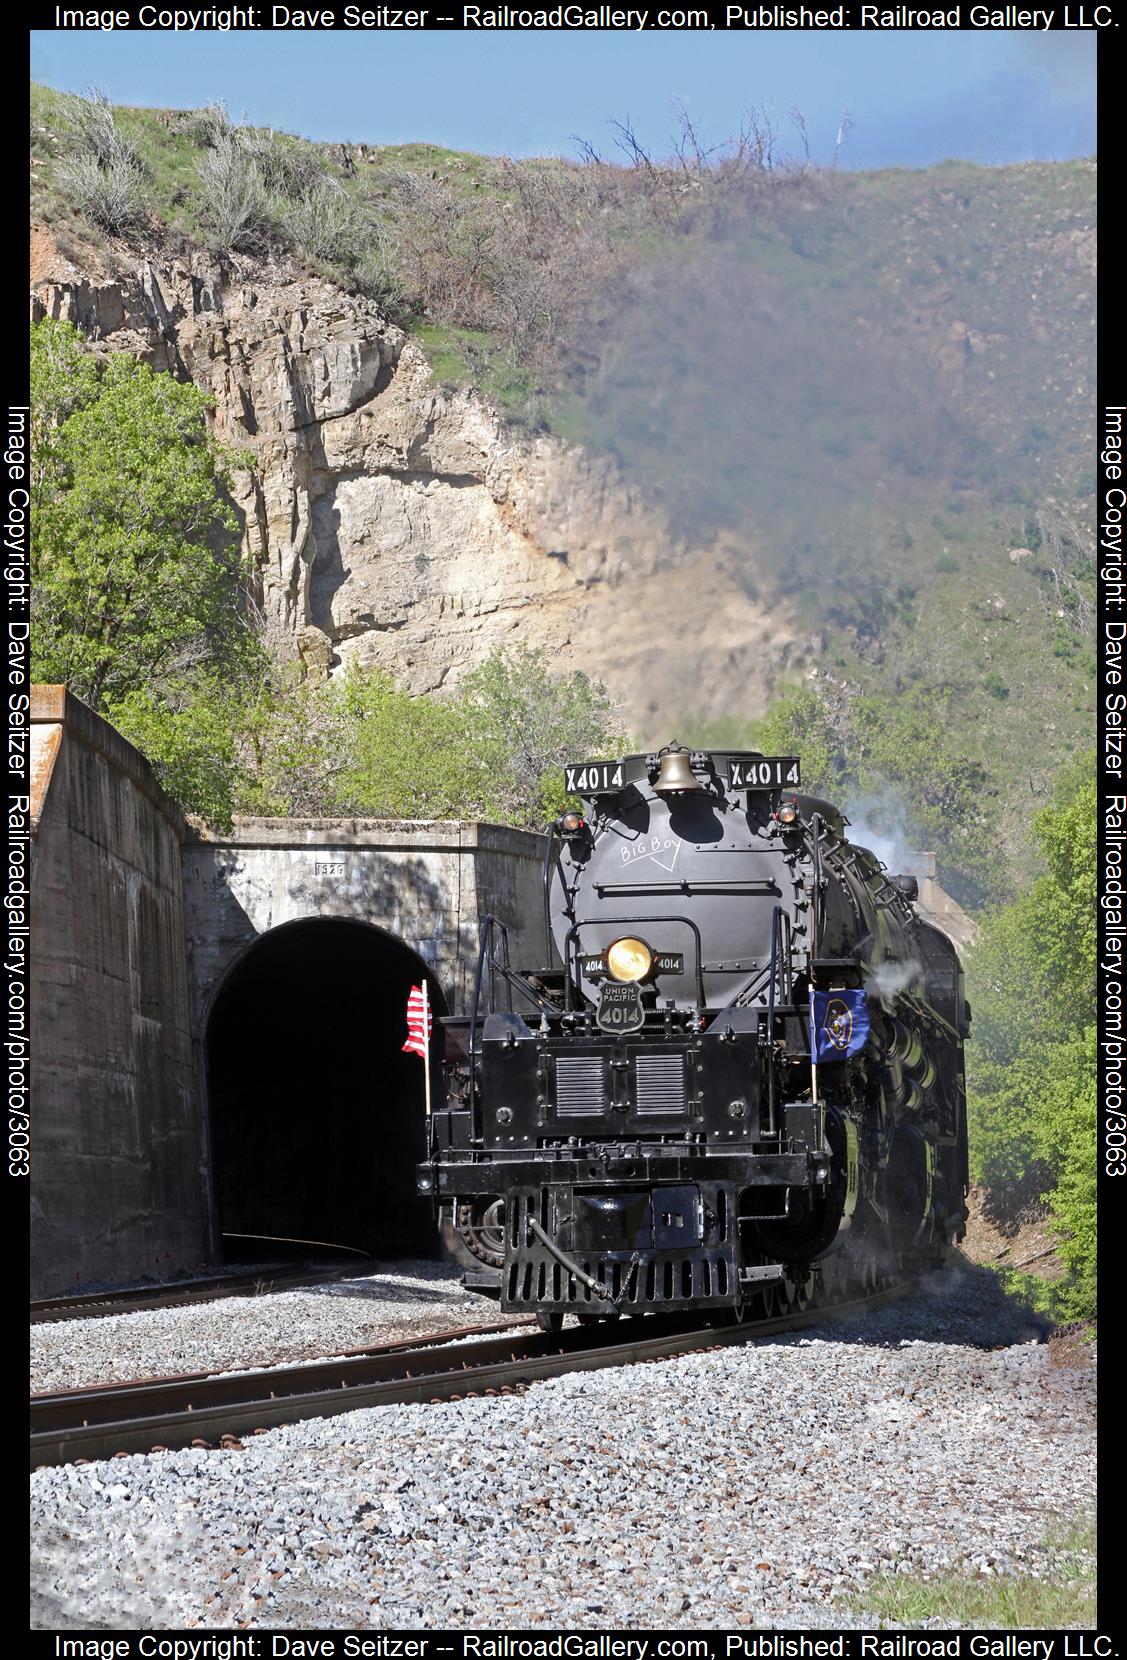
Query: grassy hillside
[{"x": 874, "y": 388}]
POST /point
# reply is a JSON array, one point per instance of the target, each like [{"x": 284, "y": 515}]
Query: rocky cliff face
[{"x": 391, "y": 520}]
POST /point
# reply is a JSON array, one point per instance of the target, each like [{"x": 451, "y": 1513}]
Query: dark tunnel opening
[{"x": 317, "y": 1115}]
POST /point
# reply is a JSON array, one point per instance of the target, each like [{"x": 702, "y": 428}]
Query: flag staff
[
  {"x": 815, "y": 895},
  {"x": 418, "y": 1033},
  {"x": 426, "y": 1043}
]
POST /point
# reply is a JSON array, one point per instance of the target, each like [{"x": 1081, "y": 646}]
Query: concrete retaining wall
[{"x": 119, "y": 1169}]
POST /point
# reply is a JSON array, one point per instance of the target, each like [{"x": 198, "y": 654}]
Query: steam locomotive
[{"x": 738, "y": 1082}]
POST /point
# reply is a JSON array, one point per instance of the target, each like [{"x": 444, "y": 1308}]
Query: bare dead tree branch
[
  {"x": 843, "y": 127},
  {"x": 800, "y": 122}
]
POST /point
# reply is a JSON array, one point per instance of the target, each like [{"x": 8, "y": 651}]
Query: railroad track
[
  {"x": 175, "y": 1295},
  {"x": 216, "y": 1410}
]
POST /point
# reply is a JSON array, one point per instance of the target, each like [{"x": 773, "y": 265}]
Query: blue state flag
[{"x": 839, "y": 1024}]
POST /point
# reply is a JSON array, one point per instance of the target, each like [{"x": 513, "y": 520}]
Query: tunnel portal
[{"x": 317, "y": 1115}]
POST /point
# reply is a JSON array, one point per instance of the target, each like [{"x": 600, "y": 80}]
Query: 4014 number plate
[
  {"x": 594, "y": 777},
  {"x": 762, "y": 772},
  {"x": 593, "y": 964},
  {"x": 620, "y": 1008}
]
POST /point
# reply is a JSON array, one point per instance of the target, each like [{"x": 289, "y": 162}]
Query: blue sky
[{"x": 913, "y": 98}]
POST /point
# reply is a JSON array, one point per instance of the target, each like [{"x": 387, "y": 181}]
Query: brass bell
[{"x": 675, "y": 773}]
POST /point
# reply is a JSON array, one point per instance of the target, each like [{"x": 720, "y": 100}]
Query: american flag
[{"x": 418, "y": 1022}]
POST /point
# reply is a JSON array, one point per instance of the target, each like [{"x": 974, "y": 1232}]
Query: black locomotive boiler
[{"x": 737, "y": 1083}]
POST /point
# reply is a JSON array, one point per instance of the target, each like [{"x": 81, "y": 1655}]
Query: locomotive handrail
[
  {"x": 601, "y": 922},
  {"x": 778, "y": 918},
  {"x": 553, "y": 848},
  {"x": 548, "y": 941},
  {"x": 486, "y": 941},
  {"x": 688, "y": 885},
  {"x": 513, "y": 978},
  {"x": 816, "y": 891},
  {"x": 753, "y": 986},
  {"x": 488, "y": 925},
  {"x": 775, "y": 915},
  {"x": 506, "y": 969},
  {"x": 750, "y": 988}
]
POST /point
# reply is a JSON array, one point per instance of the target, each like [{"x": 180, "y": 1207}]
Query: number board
[
  {"x": 594, "y": 777},
  {"x": 665, "y": 962},
  {"x": 763, "y": 772},
  {"x": 620, "y": 1008}
]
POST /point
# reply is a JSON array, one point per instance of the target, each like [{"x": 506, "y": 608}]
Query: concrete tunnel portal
[{"x": 317, "y": 1114}]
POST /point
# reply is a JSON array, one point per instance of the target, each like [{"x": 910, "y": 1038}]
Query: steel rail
[
  {"x": 94, "y": 1304},
  {"x": 396, "y": 1345},
  {"x": 92, "y": 1424}
]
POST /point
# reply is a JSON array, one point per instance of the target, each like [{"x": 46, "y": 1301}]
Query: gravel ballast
[
  {"x": 408, "y": 1299},
  {"x": 752, "y": 1486}
]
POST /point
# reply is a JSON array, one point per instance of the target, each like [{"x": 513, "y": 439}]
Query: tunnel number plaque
[{"x": 620, "y": 1008}]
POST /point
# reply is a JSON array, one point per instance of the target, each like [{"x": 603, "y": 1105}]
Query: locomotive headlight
[{"x": 629, "y": 959}]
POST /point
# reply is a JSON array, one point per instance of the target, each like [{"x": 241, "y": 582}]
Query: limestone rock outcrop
[{"x": 397, "y": 521}]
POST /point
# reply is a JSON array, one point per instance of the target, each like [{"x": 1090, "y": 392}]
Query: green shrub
[
  {"x": 103, "y": 176},
  {"x": 1031, "y": 1062},
  {"x": 900, "y": 752},
  {"x": 208, "y": 126},
  {"x": 111, "y": 197},
  {"x": 287, "y": 169},
  {"x": 234, "y": 202},
  {"x": 322, "y": 222},
  {"x": 359, "y": 744},
  {"x": 92, "y": 131}
]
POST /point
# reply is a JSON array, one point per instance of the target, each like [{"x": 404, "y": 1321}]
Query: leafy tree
[
  {"x": 134, "y": 548},
  {"x": 292, "y": 744},
  {"x": 815, "y": 726},
  {"x": 354, "y": 745},
  {"x": 1031, "y": 1061},
  {"x": 361, "y": 745},
  {"x": 409, "y": 757},
  {"x": 190, "y": 734},
  {"x": 855, "y": 745},
  {"x": 524, "y": 719},
  {"x": 63, "y": 380}
]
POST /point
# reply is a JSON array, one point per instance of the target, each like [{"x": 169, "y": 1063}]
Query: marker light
[
  {"x": 788, "y": 811},
  {"x": 629, "y": 960},
  {"x": 572, "y": 823}
]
